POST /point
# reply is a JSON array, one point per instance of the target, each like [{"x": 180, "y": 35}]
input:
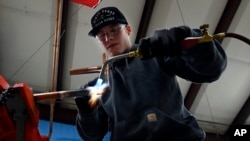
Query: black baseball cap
[{"x": 105, "y": 16}]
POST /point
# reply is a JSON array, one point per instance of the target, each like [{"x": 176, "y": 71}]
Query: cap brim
[{"x": 94, "y": 31}]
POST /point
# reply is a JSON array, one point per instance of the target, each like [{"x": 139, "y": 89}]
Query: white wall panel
[{"x": 26, "y": 31}]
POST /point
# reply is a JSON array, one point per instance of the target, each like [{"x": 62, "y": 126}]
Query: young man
[{"x": 145, "y": 102}]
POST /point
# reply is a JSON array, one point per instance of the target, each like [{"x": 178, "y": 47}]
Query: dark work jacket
[{"x": 145, "y": 102}]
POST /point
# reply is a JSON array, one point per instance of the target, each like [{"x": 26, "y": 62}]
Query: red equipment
[{"x": 19, "y": 115}]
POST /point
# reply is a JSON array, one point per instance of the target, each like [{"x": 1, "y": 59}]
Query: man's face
[{"x": 115, "y": 38}]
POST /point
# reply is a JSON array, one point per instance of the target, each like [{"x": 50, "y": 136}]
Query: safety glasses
[{"x": 112, "y": 32}]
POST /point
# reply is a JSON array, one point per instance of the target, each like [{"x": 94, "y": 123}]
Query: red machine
[
  {"x": 18, "y": 118},
  {"x": 19, "y": 115}
]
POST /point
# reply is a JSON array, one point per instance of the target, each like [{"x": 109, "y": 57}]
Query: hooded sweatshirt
[{"x": 145, "y": 102}]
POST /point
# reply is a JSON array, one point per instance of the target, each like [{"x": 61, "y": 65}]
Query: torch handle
[{"x": 191, "y": 41}]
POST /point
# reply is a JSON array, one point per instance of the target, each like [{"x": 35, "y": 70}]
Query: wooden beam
[
  {"x": 62, "y": 44},
  {"x": 191, "y": 95},
  {"x": 241, "y": 117},
  {"x": 227, "y": 16},
  {"x": 223, "y": 25},
  {"x": 243, "y": 113},
  {"x": 145, "y": 19}
]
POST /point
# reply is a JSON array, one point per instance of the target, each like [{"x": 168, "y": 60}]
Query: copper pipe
[
  {"x": 85, "y": 70},
  {"x": 105, "y": 58},
  {"x": 56, "y": 47},
  {"x": 89, "y": 69},
  {"x": 60, "y": 94}
]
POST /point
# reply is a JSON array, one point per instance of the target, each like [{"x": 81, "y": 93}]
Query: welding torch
[{"x": 186, "y": 43}]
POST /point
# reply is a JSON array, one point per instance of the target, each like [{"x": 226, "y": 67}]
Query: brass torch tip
[
  {"x": 135, "y": 53},
  {"x": 219, "y": 36},
  {"x": 132, "y": 54}
]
